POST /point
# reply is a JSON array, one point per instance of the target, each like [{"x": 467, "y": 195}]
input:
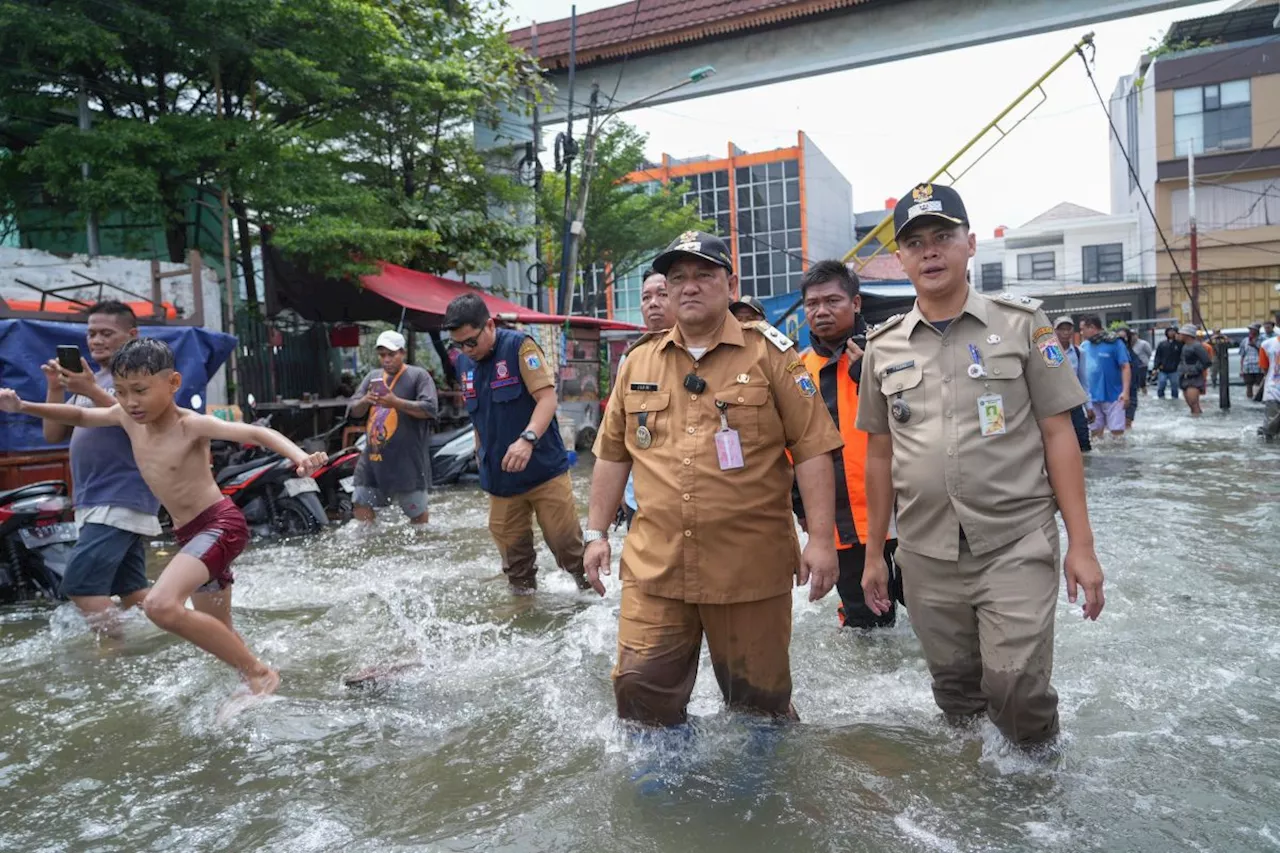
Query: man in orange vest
[{"x": 831, "y": 306}]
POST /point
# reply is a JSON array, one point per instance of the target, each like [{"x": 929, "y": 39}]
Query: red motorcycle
[{"x": 37, "y": 533}]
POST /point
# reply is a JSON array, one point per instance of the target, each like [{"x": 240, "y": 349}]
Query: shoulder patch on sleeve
[
  {"x": 777, "y": 338},
  {"x": 885, "y": 326},
  {"x": 1022, "y": 303}
]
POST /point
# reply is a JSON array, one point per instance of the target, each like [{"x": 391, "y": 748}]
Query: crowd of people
[{"x": 927, "y": 459}]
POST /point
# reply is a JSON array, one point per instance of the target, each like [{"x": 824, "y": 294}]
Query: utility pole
[
  {"x": 91, "y": 234},
  {"x": 230, "y": 320},
  {"x": 570, "y": 149},
  {"x": 1195, "y": 256},
  {"x": 538, "y": 279},
  {"x": 577, "y": 229}
]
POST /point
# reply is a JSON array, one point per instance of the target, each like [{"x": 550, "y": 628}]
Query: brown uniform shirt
[
  {"x": 704, "y": 535},
  {"x": 534, "y": 370},
  {"x": 947, "y": 474}
]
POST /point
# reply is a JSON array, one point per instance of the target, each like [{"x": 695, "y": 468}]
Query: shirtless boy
[{"x": 171, "y": 447}]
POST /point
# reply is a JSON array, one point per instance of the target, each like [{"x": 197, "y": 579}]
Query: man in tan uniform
[
  {"x": 702, "y": 414},
  {"x": 968, "y": 402}
]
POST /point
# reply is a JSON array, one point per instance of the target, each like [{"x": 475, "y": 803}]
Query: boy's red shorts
[{"x": 215, "y": 537}]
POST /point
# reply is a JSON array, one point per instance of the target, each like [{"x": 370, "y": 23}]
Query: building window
[
  {"x": 590, "y": 297},
  {"x": 769, "y": 237},
  {"x": 992, "y": 277},
  {"x": 1212, "y": 118},
  {"x": 1036, "y": 266},
  {"x": 1131, "y": 120},
  {"x": 1104, "y": 263},
  {"x": 710, "y": 193}
]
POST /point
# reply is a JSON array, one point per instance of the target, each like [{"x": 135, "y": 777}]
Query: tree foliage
[
  {"x": 626, "y": 223},
  {"x": 345, "y": 125}
]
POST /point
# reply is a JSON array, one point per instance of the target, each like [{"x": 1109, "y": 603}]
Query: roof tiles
[{"x": 618, "y": 30}]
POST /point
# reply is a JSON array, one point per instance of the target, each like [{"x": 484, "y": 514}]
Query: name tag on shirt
[
  {"x": 729, "y": 450},
  {"x": 991, "y": 415}
]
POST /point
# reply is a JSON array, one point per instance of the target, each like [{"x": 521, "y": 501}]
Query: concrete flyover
[{"x": 757, "y": 42}]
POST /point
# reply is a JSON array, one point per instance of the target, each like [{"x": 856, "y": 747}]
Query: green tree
[
  {"x": 322, "y": 132},
  {"x": 625, "y": 222}
]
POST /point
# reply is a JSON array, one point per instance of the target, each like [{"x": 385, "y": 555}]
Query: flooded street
[{"x": 503, "y": 737}]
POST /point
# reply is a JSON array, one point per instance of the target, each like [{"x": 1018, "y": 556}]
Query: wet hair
[
  {"x": 649, "y": 272},
  {"x": 466, "y": 310},
  {"x": 147, "y": 356},
  {"x": 113, "y": 308},
  {"x": 827, "y": 271},
  {"x": 1091, "y": 320}
]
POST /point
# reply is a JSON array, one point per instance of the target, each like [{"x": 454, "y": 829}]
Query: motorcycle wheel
[{"x": 293, "y": 519}]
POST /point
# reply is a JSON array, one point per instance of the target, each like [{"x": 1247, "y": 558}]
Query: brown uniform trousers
[
  {"x": 511, "y": 524},
  {"x": 659, "y": 641},
  {"x": 986, "y": 627},
  {"x": 711, "y": 551},
  {"x": 977, "y": 528}
]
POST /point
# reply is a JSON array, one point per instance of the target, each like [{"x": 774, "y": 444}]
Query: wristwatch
[
  {"x": 589, "y": 536},
  {"x": 530, "y": 436}
]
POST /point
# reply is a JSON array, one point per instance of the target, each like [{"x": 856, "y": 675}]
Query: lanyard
[{"x": 392, "y": 383}]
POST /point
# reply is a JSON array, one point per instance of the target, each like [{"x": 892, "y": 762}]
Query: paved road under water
[{"x": 504, "y": 738}]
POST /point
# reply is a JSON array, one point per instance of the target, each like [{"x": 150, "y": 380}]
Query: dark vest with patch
[{"x": 500, "y": 408}]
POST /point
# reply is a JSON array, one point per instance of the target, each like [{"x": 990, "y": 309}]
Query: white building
[
  {"x": 1076, "y": 259},
  {"x": 1133, "y": 110}
]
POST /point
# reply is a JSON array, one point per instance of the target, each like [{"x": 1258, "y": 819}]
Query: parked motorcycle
[
  {"x": 37, "y": 533},
  {"x": 274, "y": 500},
  {"x": 453, "y": 455},
  {"x": 336, "y": 480}
]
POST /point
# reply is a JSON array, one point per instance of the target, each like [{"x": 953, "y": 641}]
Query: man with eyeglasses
[{"x": 510, "y": 394}]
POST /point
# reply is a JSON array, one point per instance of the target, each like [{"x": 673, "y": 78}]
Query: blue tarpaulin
[{"x": 27, "y": 344}]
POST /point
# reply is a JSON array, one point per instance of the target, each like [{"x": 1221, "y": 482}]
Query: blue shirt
[
  {"x": 1103, "y": 362},
  {"x": 1077, "y": 359}
]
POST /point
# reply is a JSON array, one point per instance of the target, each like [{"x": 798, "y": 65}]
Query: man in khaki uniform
[
  {"x": 510, "y": 394},
  {"x": 702, "y": 415},
  {"x": 968, "y": 402}
]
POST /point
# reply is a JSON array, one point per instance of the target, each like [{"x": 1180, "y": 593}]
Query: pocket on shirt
[
  {"x": 653, "y": 406},
  {"x": 908, "y": 385},
  {"x": 1005, "y": 377},
  {"x": 744, "y": 406}
]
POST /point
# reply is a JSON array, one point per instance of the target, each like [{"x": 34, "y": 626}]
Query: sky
[{"x": 886, "y": 145}]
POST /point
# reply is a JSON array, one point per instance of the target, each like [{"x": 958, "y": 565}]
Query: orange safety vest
[{"x": 851, "y": 516}]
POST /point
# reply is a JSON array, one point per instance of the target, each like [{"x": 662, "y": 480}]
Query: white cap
[{"x": 390, "y": 340}]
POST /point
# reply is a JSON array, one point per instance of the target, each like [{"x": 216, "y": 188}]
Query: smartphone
[
  {"x": 69, "y": 358},
  {"x": 378, "y": 386}
]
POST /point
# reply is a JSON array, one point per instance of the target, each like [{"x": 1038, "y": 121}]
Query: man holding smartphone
[
  {"x": 115, "y": 510},
  {"x": 395, "y": 464}
]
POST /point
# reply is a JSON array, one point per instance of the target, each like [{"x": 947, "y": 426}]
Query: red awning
[{"x": 431, "y": 294}]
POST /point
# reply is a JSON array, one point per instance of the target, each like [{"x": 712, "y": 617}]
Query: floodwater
[{"x": 504, "y": 739}]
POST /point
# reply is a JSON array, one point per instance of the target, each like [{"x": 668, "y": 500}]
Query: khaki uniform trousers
[
  {"x": 660, "y": 641},
  {"x": 511, "y": 525},
  {"x": 986, "y": 626}
]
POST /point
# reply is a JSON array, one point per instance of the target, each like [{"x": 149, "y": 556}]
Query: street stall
[{"x": 416, "y": 301}]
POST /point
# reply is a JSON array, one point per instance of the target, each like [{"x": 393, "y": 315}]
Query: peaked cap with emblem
[
  {"x": 698, "y": 244},
  {"x": 929, "y": 201}
]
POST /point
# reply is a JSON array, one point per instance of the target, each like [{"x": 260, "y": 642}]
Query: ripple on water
[{"x": 499, "y": 733}]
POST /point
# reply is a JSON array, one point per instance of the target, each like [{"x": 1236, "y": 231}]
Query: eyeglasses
[{"x": 469, "y": 343}]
